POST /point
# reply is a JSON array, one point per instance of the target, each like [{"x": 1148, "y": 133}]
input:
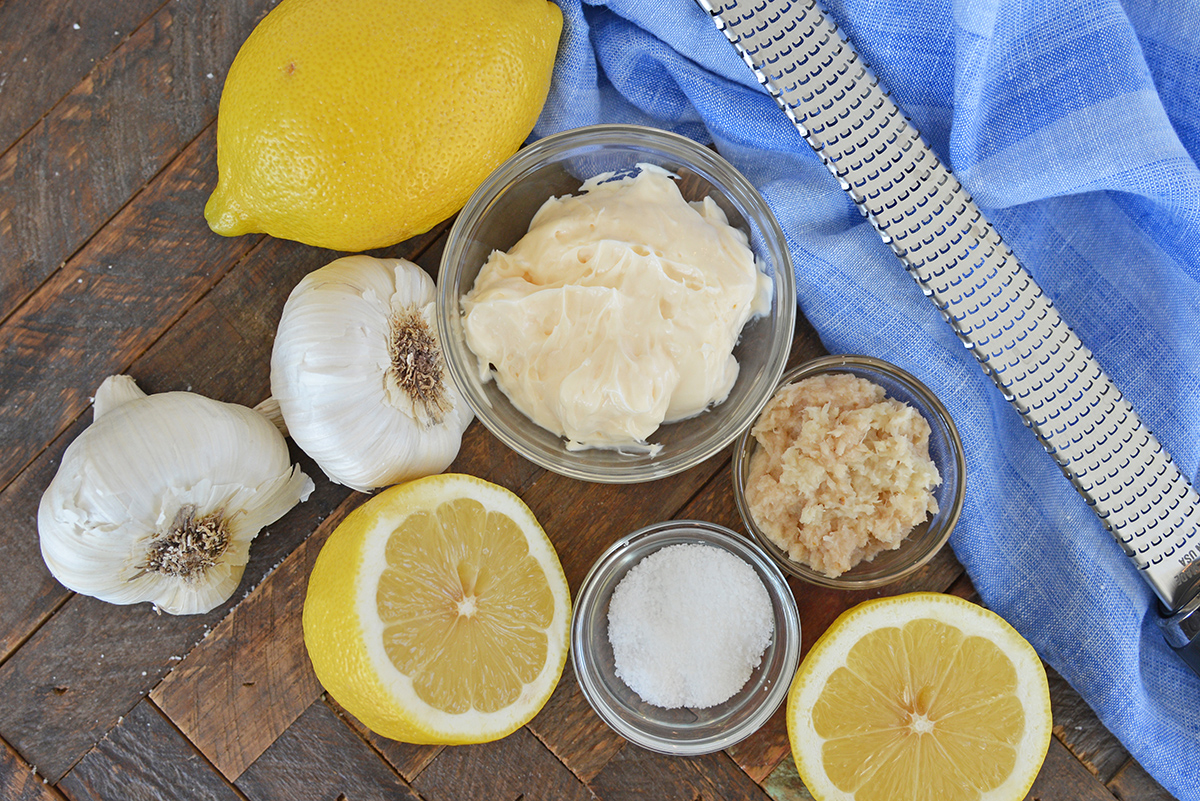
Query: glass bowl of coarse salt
[
  {"x": 685, "y": 637},
  {"x": 853, "y": 476}
]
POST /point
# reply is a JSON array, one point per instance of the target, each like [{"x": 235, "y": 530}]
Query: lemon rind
[
  {"x": 406, "y": 708},
  {"x": 831, "y": 649}
]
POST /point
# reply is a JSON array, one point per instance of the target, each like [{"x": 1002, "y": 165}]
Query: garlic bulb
[
  {"x": 158, "y": 499},
  {"x": 359, "y": 375}
]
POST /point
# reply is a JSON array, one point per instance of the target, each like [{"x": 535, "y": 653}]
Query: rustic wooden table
[{"x": 107, "y": 155}]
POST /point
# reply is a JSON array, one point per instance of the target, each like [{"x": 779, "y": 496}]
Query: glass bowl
[
  {"x": 680, "y": 731},
  {"x": 945, "y": 448},
  {"x": 498, "y": 214}
]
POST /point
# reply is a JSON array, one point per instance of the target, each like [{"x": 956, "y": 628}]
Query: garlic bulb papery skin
[
  {"x": 158, "y": 499},
  {"x": 359, "y": 374}
]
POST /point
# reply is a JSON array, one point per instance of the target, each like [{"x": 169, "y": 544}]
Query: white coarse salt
[{"x": 688, "y": 624}]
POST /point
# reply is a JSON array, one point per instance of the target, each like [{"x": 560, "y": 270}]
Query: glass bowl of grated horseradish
[
  {"x": 853, "y": 475},
  {"x": 685, "y": 637},
  {"x": 616, "y": 303}
]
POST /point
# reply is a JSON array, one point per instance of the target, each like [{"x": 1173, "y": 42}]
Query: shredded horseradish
[{"x": 840, "y": 471}]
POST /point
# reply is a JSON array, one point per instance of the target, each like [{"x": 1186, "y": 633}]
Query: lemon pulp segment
[
  {"x": 465, "y": 617},
  {"x": 925, "y": 715},
  {"x": 920, "y": 697},
  {"x": 438, "y": 612}
]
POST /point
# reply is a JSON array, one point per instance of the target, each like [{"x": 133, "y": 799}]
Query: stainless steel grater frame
[{"x": 994, "y": 306}]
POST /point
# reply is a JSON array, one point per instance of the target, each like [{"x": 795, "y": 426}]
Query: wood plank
[
  {"x": 1063, "y": 778},
  {"x": 220, "y": 348},
  {"x": 1133, "y": 783},
  {"x": 785, "y": 784},
  {"x": 31, "y": 593},
  {"x": 515, "y": 767},
  {"x": 1078, "y": 728},
  {"x": 48, "y": 46},
  {"x": 246, "y": 306},
  {"x": 407, "y": 759},
  {"x": 108, "y": 304},
  {"x": 575, "y": 734},
  {"x": 143, "y": 758},
  {"x": 92, "y": 662},
  {"x": 114, "y": 132},
  {"x": 20, "y": 781},
  {"x": 229, "y": 367},
  {"x": 583, "y": 519},
  {"x": 320, "y": 758},
  {"x": 240, "y": 689},
  {"x": 636, "y": 773}
]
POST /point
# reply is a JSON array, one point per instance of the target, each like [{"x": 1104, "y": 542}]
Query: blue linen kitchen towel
[{"x": 1076, "y": 127}]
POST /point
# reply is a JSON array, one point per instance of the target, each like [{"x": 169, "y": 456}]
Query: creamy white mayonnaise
[{"x": 617, "y": 311}]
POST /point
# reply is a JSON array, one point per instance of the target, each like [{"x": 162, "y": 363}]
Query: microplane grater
[{"x": 993, "y": 304}]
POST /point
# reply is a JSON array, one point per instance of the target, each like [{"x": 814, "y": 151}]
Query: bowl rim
[
  {"x": 933, "y": 404},
  {"x": 650, "y": 539},
  {"x": 740, "y": 191}
]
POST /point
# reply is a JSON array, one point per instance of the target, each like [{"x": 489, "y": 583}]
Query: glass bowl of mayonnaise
[{"x": 616, "y": 303}]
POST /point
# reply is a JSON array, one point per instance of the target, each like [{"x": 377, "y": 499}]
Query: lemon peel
[
  {"x": 438, "y": 612},
  {"x": 921, "y": 695},
  {"x": 356, "y": 125}
]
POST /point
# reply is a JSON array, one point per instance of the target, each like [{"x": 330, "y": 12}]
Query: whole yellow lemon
[{"x": 356, "y": 124}]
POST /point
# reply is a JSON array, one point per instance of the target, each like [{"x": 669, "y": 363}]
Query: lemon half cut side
[
  {"x": 438, "y": 612},
  {"x": 919, "y": 696}
]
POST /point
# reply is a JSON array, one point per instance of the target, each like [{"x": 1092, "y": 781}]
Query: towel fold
[{"x": 1076, "y": 127}]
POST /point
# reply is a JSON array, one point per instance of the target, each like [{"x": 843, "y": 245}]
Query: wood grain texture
[
  {"x": 407, "y": 759},
  {"x": 785, "y": 784},
  {"x": 31, "y": 593},
  {"x": 1076, "y": 726},
  {"x": 19, "y": 781},
  {"x": 47, "y": 48},
  {"x": 1062, "y": 778},
  {"x": 516, "y": 767},
  {"x": 584, "y": 519},
  {"x": 636, "y": 773},
  {"x": 112, "y": 133},
  {"x": 114, "y": 298},
  {"x": 573, "y": 732},
  {"x": 143, "y": 758},
  {"x": 92, "y": 661},
  {"x": 1132, "y": 783},
  {"x": 320, "y": 758},
  {"x": 219, "y": 346},
  {"x": 240, "y": 688}
]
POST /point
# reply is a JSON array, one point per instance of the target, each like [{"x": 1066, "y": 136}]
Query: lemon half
[
  {"x": 919, "y": 696},
  {"x": 438, "y": 612}
]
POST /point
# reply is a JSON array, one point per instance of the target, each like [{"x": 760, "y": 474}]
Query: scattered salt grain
[{"x": 688, "y": 624}]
